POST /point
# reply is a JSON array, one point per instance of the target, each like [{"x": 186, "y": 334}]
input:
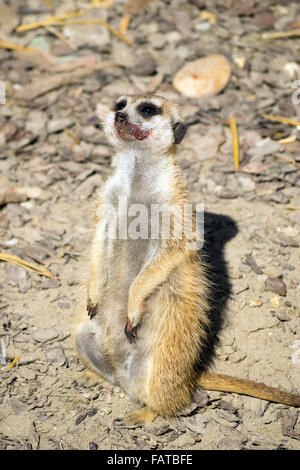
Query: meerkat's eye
[
  {"x": 120, "y": 105},
  {"x": 148, "y": 110}
]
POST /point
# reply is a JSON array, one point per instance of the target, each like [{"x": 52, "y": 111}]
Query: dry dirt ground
[{"x": 54, "y": 155}]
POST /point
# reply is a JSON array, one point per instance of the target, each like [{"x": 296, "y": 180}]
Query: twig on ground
[
  {"x": 13, "y": 362},
  {"x": 282, "y": 119},
  {"x": 281, "y": 34},
  {"x": 287, "y": 140},
  {"x": 101, "y": 3},
  {"x": 286, "y": 159},
  {"x": 49, "y": 21},
  {"x": 73, "y": 136},
  {"x": 26, "y": 265},
  {"x": 68, "y": 20},
  {"x": 49, "y": 4},
  {"x": 15, "y": 47},
  {"x": 116, "y": 33},
  {"x": 61, "y": 36},
  {"x": 235, "y": 142}
]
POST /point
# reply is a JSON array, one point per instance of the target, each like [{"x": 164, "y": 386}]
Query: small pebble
[
  {"x": 276, "y": 285},
  {"x": 205, "y": 76},
  {"x": 255, "y": 303},
  {"x": 275, "y": 302}
]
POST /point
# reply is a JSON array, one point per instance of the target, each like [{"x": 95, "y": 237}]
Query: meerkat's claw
[
  {"x": 130, "y": 332},
  {"x": 92, "y": 310},
  {"x": 130, "y": 329}
]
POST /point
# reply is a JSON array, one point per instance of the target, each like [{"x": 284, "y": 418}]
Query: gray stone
[
  {"x": 25, "y": 285},
  {"x": 56, "y": 125},
  {"x": 158, "y": 429},
  {"x": 36, "y": 122},
  {"x": 16, "y": 426},
  {"x": 48, "y": 334},
  {"x": 26, "y": 373},
  {"x": 240, "y": 286},
  {"x": 56, "y": 356},
  {"x": 276, "y": 285},
  {"x": 200, "y": 397},
  {"x": 123, "y": 55},
  {"x": 182, "y": 442},
  {"x": 232, "y": 440},
  {"x": 17, "y": 406},
  {"x": 197, "y": 423},
  {"x": 246, "y": 183},
  {"x": 253, "y": 406},
  {"x": 264, "y": 147},
  {"x": 145, "y": 66},
  {"x": 15, "y": 273}
]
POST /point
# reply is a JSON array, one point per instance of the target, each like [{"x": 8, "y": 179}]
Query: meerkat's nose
[{"x": 121, "y": 117}]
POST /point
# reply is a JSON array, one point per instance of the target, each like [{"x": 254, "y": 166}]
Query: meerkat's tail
[{"x": 225, "y": 383}]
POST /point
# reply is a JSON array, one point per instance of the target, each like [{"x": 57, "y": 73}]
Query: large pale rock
[{"x": 205, "y": 76}]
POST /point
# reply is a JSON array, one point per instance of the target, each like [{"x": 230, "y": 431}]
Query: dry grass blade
[
  {"x": 13, "y": 362},
  {"x": 288, "y": 140},
  {"x": 15, "y": 47},
  {"x": 49, "y": 4},
  {"x": 67, "y": 20},
  {"x": 116, "y": 33},
  {"x": 209, "y": 16},
  {"x": 282, "y": 34},
  {"x": 131, "y": 8},
  {"x": 235, "y": 142},
  {"x": 124, "y": 23},
  {"x": 49, "y": 21},
  {"x": 284, "y": 120},
  {"x": 102, "y": 3},
  {"x": 26, "y": 265},
  {"x": 73, "y": 136},
  {"x": 286, "y": 159},
  {"x": 63, "y": 38}
]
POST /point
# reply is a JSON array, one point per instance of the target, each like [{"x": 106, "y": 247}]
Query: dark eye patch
[
  {"x": 148, "y": 110},
  {"x": 120, "y": 105}
]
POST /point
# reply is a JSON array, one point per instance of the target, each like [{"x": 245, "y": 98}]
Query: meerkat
[{"x": 146, "y": 319}]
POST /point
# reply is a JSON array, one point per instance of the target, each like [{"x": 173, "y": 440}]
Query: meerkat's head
[{"x": 143, "y": 121}]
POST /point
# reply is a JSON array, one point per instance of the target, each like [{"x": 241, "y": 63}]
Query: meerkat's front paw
[
  {"x": 130, "y": 331},
  {"x": 133, "y": 318}
]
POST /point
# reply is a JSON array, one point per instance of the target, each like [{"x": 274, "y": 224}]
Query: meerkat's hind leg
[{"x": 88, "y": 345}]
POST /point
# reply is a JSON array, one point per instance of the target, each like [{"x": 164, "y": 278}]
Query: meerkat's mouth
[{"x": 125, "y": 129}]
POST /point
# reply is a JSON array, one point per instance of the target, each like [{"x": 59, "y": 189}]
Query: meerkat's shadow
[{"x": 218, "y": 230}]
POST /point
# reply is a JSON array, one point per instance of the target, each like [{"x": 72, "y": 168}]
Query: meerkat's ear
[{"x": 179, "y": 130}]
